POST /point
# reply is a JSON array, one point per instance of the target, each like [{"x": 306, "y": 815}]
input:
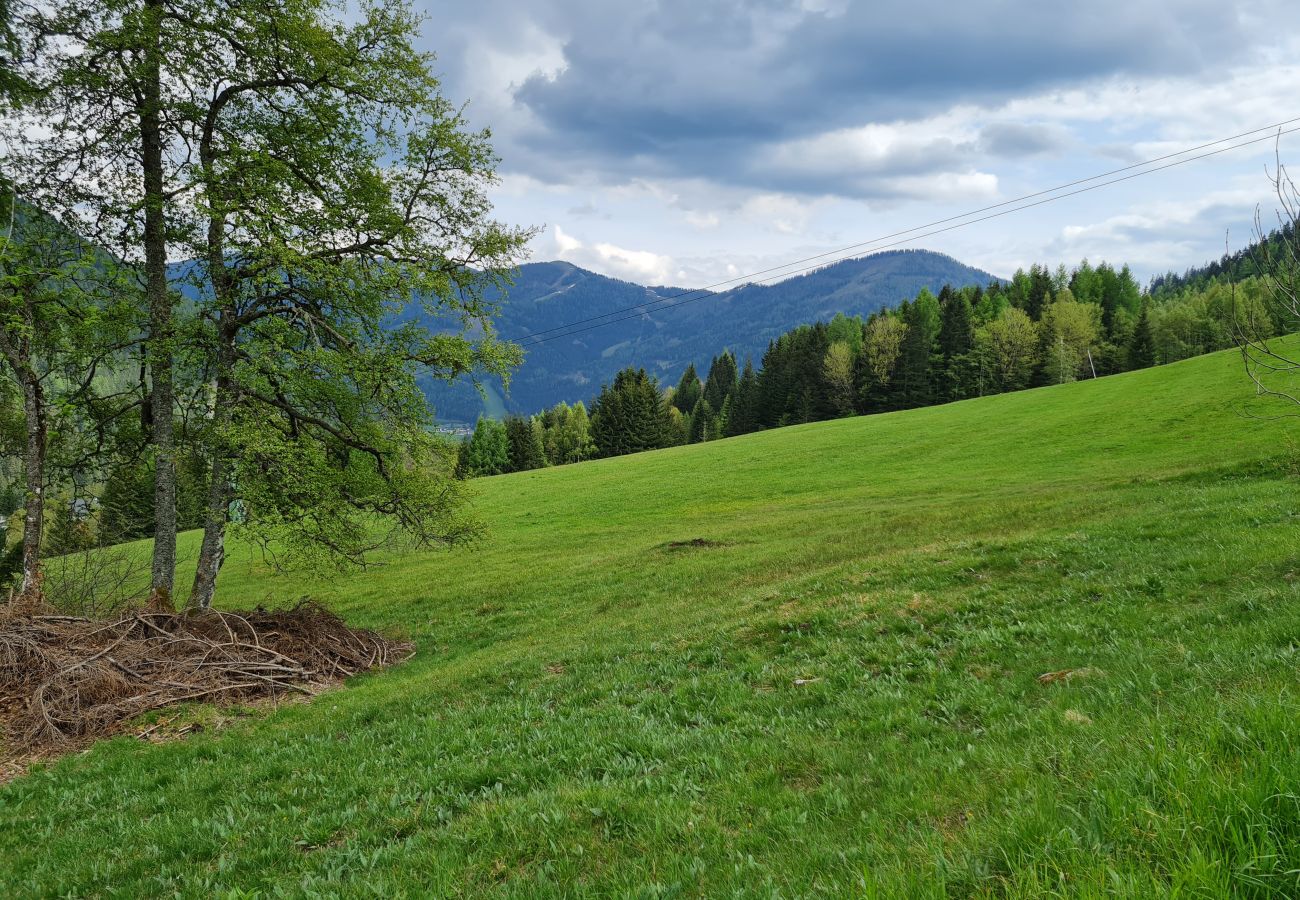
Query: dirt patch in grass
[
  {"x": 692, "y": 544},
  {"x": 67, "y": 680}
]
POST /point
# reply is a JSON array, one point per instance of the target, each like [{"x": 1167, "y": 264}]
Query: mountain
[{"x": 664, "y": 340}]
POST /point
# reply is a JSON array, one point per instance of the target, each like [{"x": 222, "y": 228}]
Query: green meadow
[{"x": 1035, "y": 645}]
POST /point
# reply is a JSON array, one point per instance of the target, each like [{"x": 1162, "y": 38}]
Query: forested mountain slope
[{"x": 744, "y": 319}]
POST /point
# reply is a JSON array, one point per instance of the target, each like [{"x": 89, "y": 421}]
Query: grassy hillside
[{"x": 835, "y": 690}]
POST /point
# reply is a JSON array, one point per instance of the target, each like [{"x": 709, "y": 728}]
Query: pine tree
[
  {"x": 744, "y": 411},
  {"x": 517, "y": 439},
  {"x": 525, "y": 445},
  {"x": 914, "y": 372},
  {"x": 701, "y": 422},
  {"x": 69, "y": 531},
  {"x": 718, "y": 428},
  {"x": 957, "y": 330},
  {"x": 488, "y": 449},
  {"x": 688, "y": 390},
  {"x": 722, "y": 380},
  {"x": 956, "y": 338},
  {"x": 628, "y": 417},
  {"x": 1142, "y": 347},
  {"x": 126, "y": 504}
]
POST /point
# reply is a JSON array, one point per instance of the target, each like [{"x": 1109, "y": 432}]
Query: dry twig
[{"x": 65, "y": 679}]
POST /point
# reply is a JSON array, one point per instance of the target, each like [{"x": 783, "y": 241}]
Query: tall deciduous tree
[
  {"x": 1008, "y": 349},
  {"x": 1069, "y": 331},
  {"x": 882, "y": 345},
  {"x": 309, "y": 163},
  {"x": 107, "y": 89},
  {"x": 837, "y": 369},
  {"x": 63, "y": 321},
  {"x": 566, "y": 434}
]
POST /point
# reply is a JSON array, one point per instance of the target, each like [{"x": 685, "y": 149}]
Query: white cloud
[
  {"x": 780, "y": 212},
  {"x": 703, "y": 220},
  {"x": 565, "y": 244},
  {"x": 641, "y": 266}
]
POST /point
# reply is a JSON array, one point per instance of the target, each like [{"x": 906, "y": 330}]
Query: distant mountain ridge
[{"x": 665, "y": 339}]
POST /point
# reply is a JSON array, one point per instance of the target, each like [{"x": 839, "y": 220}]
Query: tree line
[
  {"x": 1044, "y": 326},
  {"x": 304, "y": 163}
]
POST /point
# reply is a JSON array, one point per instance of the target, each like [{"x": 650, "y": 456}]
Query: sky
[{"x": 685, "y": 142}]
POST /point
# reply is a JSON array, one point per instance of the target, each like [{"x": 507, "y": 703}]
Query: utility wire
[{"x": 674, "y": 300}]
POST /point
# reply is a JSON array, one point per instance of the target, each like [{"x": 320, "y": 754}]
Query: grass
[{"x": 835, "y": 691}]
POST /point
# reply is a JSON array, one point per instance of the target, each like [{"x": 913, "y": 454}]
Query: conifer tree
[
  {"x": 69, "y": 530},
  {"x": 701, "y": 422},
  {"x": 744, "y": 411},
  {"x": 525, "y": 447},
  {"x": 1142, "y": 348},
  {"x": 722, "y": 380},
  {"x": 488, "y": 450},
  {"x": 628, "y": 417},
  {"x": 718, "y": 428},
  {"x": 689, "y": 389},
  {"x": 915, "y": 387},
  {"x": 956, "y": 331},
  {"x": 126, "y": 503}
]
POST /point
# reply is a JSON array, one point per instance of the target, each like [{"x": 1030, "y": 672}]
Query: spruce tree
[
  {"x": 744, "y": 411},
  {"x": 519, "y": 443},
  {"x": 126, "y": 503},
  {"x": 957, "y": 330},
  {"x": 722, "y": 380},
  {"x": 488, "y": 450},
  {"x": 688, "y": 390},
  {"x": 956, "y": 338},
  {"x": 628, "y": 416},
  {"x": 701, "y": 422},
  {"x": 1142, "y": 348},
  {"x": 922, "y": 318},
  {"x": 718, "y": 429}
]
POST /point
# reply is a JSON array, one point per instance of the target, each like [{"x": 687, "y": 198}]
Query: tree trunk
[
  {"x": 163, "y": 570},
  {"x": 34, "y": 513},
  {"x": 213, "y": 551}
]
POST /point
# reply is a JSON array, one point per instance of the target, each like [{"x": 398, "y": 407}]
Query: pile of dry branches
[{"x": 66, "y": 679}]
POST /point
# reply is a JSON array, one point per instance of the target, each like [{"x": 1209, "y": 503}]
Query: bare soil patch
[{"x": 693, "y": 544}]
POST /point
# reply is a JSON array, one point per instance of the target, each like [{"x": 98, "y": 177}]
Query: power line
[{"x": 681, "y": 299}]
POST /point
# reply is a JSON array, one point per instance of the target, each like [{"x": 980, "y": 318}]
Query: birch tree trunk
[
  {"x": 34, "y": 512},
  {"x": 163, "y": 569}
]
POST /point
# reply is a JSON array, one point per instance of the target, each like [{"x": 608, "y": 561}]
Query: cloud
[
  {"x": 1168, "y": 235},
  {"x": 587, "y": 210},
  {"x": 1016, "y": 139},
  {"x": 676, "y": 86},
  {"x": 720, "y": 134},
  {"x": 641, "y": 266}
]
